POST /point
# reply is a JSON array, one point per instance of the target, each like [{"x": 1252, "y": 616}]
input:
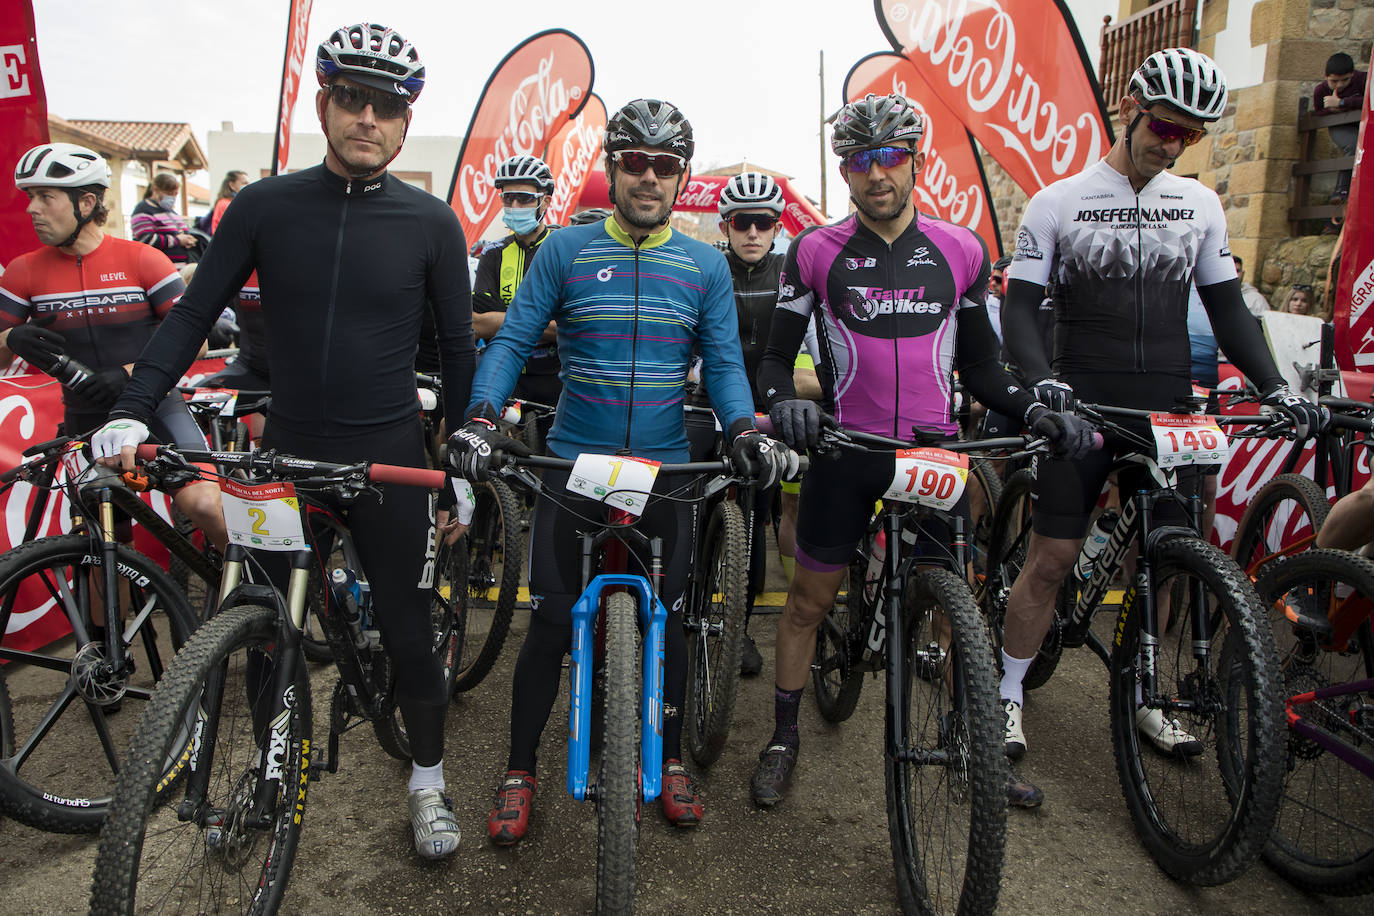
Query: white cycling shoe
[
  {"x": 1167, "y": 735},
  {"x": 1012, "y": 732},
  {"x": 432, "y": 821}
]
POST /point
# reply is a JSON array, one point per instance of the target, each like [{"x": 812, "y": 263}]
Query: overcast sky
[{"x": 743, "y": 71}]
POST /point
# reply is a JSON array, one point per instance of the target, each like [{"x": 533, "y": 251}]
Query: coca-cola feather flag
[
  {"x": 297, "y": 47},
  {"x": 537, "y": 88},
  {"x": 1015, "y": 74},
  {"x": 572, "y": 153},
  {"x": 951, "y": 184}
]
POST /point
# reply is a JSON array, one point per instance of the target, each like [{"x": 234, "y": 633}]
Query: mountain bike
[
  {"x": 227, "y": 837},
  {"x": 1203, "y": 814}
]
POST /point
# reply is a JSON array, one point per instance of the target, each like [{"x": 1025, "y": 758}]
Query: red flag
[
  {"x": 702, "y": 195},
  {"x": 952, "y": 184},
  {"x": 572, "y": 153},
  {"x": 1354, "y": 316},
  {"x": 297, "y": 27},
  {"x": 536, "y": 89},
  {"x": 1015, "y": 74},
  {"x": 23, "y": 120}
]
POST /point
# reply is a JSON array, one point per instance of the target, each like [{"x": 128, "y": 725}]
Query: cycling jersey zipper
[
  {"x": 1139, "y": 291},
  {"x": 896, "y": 355},
  {"x": 333, "y": 298},
  {"x": 634, "y": 346}
]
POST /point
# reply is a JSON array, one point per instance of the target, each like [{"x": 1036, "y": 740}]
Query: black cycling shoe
[
  {"x": 750, "y": 660},
  {"x": 1023, "y": 794},
  {"x": 773, "y": 774}
]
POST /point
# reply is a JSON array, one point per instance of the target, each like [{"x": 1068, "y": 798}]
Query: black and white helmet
[
  {"x": 1184, "y": 79},
  {"x": 650, "y": 123},
  {"x": 530, "y": 169},
  {"x": 875, "y": 120},
  {"x": 373, "y": 55},
  {"x": 61, "y": 165},
  {"x": 750, "y": 191}
]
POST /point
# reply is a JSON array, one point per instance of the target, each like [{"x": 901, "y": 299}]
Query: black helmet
[
  {"x": 586, "y": 217},
  {"x": 651, "y": 123},
  {"x": 875, "y": 120}
]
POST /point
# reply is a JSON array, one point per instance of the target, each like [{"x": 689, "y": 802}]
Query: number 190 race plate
[{"x": 930, "y": 476}]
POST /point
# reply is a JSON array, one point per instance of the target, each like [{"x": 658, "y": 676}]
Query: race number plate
[
  {"x": 265, "y": 516},
  {"x": 1188, "y": 439},
  {"x": 619, "y": 481},
  {"x": 930, "y": 476},
  {"x": 225, "y": 397}
]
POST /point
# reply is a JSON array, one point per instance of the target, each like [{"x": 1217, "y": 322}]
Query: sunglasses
[
  {"x": 665, "y": 165},
  {"x": 519, "y": 198},
  {"x": 353, "y": 99},
  {"x": 1169, "y": 131},
  {"x": 760, "y": 221},
  {"x": 889, "y": 157}
]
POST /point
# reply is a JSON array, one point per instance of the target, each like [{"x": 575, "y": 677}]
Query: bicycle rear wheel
[
  {"x": 1323, "y": 839},
  {"x": 1205, "y": 812},
  {"x": 946, "y": 784},
  {"x": 716, "y": 623},
  {"x": 617, "y": 784},
  {"x": 203, "y": 855},
  {"x": 495, "y": 556},
  {"x": 1284, "y": 515},
  {"x": 71, "y": 717},
  {"x": 836, "y": 678},
  {"x": 6, "y": 719}
]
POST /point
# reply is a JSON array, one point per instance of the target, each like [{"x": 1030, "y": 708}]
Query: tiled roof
[{"x": 163, "y": 139}]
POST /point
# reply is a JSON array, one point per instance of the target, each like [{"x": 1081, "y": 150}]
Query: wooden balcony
[
  {"x": 1125, "y": 45},
  {"x": 1310, "y": 127}
]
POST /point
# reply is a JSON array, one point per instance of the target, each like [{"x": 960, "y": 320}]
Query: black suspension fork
[
  {"x": 1202, "y": 621},
  {"x": 1145, "y": 592},
  {"x": 109, "y": 563},
  {"x": 891, "y": 597}
]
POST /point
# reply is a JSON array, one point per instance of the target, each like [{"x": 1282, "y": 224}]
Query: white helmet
[
  {"x": 373, "y": 55},
  {"x": 748, "y": 191},
  {"x": 1184, "y": 79},
  {"x": 61, "y": 165},
  {"x": 525, "y": 168}
]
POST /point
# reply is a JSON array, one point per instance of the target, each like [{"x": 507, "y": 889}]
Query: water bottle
[
  {"x": 362, "y": 592},
  {"x": 874, "y": 574},
  {"x": 346, "y": 596},
  {"x": 1097, "y": 539},
  {"x": 69, "y": 372}
]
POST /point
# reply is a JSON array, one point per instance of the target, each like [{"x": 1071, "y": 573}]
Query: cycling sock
[
  {"x": 1013, "y": 673},
  {"x": 427, "y": 777},
  {"x": 786, "y": 703},
  {"x": 789, "y": 566}
]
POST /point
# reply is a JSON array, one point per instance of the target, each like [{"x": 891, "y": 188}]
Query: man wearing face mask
[{"x": 524, "y": 183}]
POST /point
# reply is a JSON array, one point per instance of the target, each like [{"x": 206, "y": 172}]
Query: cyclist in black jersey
[
  {"x": 1130, "y": 238},
  {"x": 347, "y": 256}
]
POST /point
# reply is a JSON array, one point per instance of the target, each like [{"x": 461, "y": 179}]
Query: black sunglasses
[
  {"x": 889, "y": 157},
  {"x": 519, "y": 198},
  {"x": 761, "y": 221},
  {"x": 353, "y": 99},
  {"x": 1169, "y": 131},
  {"x": 665, "y": 165}
]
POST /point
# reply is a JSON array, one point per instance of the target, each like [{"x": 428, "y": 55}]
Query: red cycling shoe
[
  {"x": 510, "y": 816},
  {"x": 681, "y": 803}
]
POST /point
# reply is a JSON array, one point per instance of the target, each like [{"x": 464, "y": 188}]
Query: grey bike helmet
[
  {"x": 650, "y": 123},
  {"x": 1183, "y": 79},
  {"x": 587, "y": 217},
  {"x": 749, "y": 191},
  {"x": 373, "y": 55},
  {"x": 61, "y": 165},
  {"x": 875, "y": 120},
  {"x": 530, "y": 169}
]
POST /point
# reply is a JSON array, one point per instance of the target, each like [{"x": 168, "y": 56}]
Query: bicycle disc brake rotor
[
  {"x": 94, "y": 679},
  {"x": 228, "y": 840}
]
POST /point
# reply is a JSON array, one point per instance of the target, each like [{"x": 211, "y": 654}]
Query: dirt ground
[{"x": 824, "y": 850}]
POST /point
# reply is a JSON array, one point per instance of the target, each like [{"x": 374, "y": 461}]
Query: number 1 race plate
[
  {"x": 264, "y": 516},
  {"x": 620, "y": 481},
  {"x": 930, "y": 476},
  {"x": 1186, "y": 439}
]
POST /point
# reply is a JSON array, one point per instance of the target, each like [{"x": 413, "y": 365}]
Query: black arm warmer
[
  {"x": 775, "y": 366},
  {"x": 1020, "y": 331}
]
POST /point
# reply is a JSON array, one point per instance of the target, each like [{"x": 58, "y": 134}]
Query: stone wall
[{"x": 1304, "y": 259}]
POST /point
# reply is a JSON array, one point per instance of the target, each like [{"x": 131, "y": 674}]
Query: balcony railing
[
  {"x": 1170, "y": 24},
  {"x": 1310, "y": 127}
]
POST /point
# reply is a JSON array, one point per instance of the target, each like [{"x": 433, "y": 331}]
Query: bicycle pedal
[{"x": 330, "y": 764}]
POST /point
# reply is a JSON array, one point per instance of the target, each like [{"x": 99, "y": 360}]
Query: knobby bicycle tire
[
  {"x": 1203, "y": 818},
  {"x": 58, "y": 776},
  {"x": 836, "y": 678},
  {"x": 617, "y": 784},
  {"x": 495, "y": 558},
  {"x": 1321, "y": 840},
  {"x": 151, "y": 860},
  {"x": 713, "y": 657},
  {"x": 982, "y": 477},
  {"x": 947, "y": 819},
  {"x": 6, "y": 718},
  {"x": 1286, "y": 508}
]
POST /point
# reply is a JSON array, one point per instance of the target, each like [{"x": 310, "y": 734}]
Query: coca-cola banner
[
  {"x": 571, "y": 155},
  {"x": 535, "y": 90},
  {"x": 1354, "y": 312},
  {"x": 951, "y": 184},
  {"x": 23, "y": 120},
  {"x": 297, "y": 27},
  {"x": 702, "y": 195},
  {"x": 1014, "y": 72}
]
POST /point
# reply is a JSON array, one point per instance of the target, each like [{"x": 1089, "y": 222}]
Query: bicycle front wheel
[
  {"x": 72, "y": 715},
  {"x": 495, "y": 556},
  {"x": 1323, "y": 840},
  {"x": 1204, "y": 806},
  {"x": 617, "y": 784},
  {"x": 716, "y": 623},
  {"x": 984, "y": 492},
  {"x": 204, "y": 852},
  {"x": 947, "y": 782},
  {"x": 1284, "y": 516}
]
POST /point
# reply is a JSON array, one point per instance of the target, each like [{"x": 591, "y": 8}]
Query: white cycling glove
[
  {"x": 467, "y": 502},
  {"x": 112, "y": 438}
]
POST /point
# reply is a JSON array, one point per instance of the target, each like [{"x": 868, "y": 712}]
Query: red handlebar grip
[
  {"x": 147, "y": 451},
  {"x": 410, "y": 477}
]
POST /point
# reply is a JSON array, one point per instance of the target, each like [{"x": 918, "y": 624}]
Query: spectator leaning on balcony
[
  {"x": 156, "y": 222},
  {"x": 1342, "y": 90}
]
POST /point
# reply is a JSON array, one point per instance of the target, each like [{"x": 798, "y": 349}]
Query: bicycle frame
[{"x": 1360, "y": 760}]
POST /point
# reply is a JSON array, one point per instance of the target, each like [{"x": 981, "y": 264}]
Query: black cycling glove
[
  {"x": 470, "y": 448},
  {"x": 1054, "y": 394},
  {"x": 1308, "y": 418},
  {"x": 797, "y": 422},
  {"x": 1070, "y": 436},
  {"x": 752, "y": 454},
  {"x": 103, "y": 388},
  {"x": 36, "y": 345}
]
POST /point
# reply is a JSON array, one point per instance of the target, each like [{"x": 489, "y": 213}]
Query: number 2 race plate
[
  {"x": 930, "y": 476},
  {"x": 619, "y": 481},
  {"x": 265, "y": 516},
  {"x": 1187, "y": 439}
]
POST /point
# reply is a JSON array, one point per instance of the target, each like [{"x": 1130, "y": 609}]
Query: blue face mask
[
  {"x": 520, "y": 220},
  {"x": 168, "y": 203}
]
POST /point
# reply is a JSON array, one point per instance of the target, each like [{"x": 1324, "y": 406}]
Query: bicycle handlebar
[{"x": 288, "y": 466}]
